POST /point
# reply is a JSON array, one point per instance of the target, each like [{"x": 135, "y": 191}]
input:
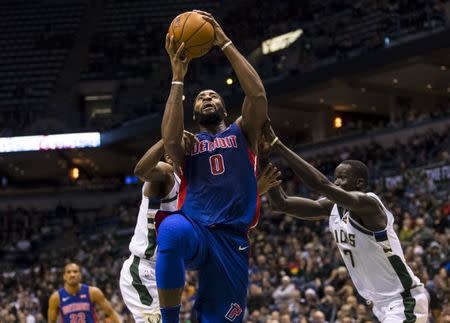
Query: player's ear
[{"x": 360, "y": 184}]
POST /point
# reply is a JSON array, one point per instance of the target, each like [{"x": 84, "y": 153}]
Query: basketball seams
[
  {"x": 192, "y": 47},
  {"x": 182, "y": 28},
  {"x": 196, "y": 31},
  {"x": 173, "y": 29},
  {"x": 202, "y": 44},
  {"x": 195, "y": 36}
]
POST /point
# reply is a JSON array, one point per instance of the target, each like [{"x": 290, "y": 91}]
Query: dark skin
[
  {"x": 254, "y": 110},
  {"x": 158, "y": 175},
  {"x": 254, "y": 107},
  {"x": 347, "y": 191},
  {"x": 72, "y": 284}
]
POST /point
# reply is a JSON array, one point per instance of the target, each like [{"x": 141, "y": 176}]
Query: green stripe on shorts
[
  {"x": 143, "y": 293},
  {"x": 405, "y": 278},
  {"x": 151, "y": 246}
]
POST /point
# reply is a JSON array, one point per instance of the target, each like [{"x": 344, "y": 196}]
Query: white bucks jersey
[
  {"x": 374, "y": 260},
  {"x": 143, "y": 242}
]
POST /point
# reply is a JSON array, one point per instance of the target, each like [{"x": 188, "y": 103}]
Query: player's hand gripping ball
[{"x": 196, "y": 33}]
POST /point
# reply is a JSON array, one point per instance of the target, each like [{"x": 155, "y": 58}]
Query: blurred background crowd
[
  {"x": 296, "y": 272},
  {"x": 373, "y": 71}
]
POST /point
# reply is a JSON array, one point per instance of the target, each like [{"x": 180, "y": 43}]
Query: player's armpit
[
  {"x": 53, "y": 306},
  {"x": 99, "y": 298}
]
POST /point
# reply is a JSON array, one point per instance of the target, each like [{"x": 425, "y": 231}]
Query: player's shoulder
[
  {"x": 94, "y": 289},
  {"x": 54, "y": 297},
  {"x": 372, "y": 198},
  {"x": 95, "y": 293},
  {"x": 369, "y": 198}
]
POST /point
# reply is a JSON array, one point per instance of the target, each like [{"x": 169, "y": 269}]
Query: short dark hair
[
  {"x": 220, "y": 97},
  {"x": 359, "y": 169},
  {"x": 71, "y": 263}
]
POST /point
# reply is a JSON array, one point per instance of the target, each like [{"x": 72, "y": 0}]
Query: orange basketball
[{"x": 196, "y": 33}]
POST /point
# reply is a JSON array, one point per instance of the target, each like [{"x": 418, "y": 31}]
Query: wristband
[
  {"x": 226, "y": 45},
  {"x": 177, "y": 82},
  {"x": 274, "y": 141}
]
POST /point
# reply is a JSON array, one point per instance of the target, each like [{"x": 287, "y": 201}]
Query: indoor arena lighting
[
  {"x": 50, "y": 142},
  {"x": 74, "y": 173},
  {"x": 337, "y": 122},
  {"x": 280, "y": 42}
]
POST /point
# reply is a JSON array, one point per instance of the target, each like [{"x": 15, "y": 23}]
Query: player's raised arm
[
  {"x": 173, "y": 119},
  {"x": 99, "y": 298},
  {"x": 53, "y": 306},
  {"x": 150, "y": 169},
  {"x": 254, "y": 109},
  {"x": 351, "y": 200},
  {"x": 299, "y": 207}
]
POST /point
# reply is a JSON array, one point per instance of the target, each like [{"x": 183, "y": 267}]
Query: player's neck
[
  {"x": 214, "y": 129},
  {"x": 72, "y": 289}
]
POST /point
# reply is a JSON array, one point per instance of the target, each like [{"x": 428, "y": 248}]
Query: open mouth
[{"x": 208, "y": 106}]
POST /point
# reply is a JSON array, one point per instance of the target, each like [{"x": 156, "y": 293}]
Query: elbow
[
  {"x": 138, "y": 169},
  {"x": 139, "y": 172},
  {"x": 278, "y": 205},
  {"x": 258, "y": 97}
]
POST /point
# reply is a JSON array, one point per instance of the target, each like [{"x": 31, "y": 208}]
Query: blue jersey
[
  {"x": 77, "y": 308},
  {"x": 218, "y": 186}
]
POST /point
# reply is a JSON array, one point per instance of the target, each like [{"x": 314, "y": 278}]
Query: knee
[{"x": 174, "y": 233}]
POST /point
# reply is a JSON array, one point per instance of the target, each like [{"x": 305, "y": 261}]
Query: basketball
[{"x": 197, "y": 34}]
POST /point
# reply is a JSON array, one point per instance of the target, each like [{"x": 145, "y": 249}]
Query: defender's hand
[
  {"x": 178, "y": 60},
  {"x": 268, "y": 179},
  {"x": 220, "y": 38},
  {"x": 189, "y": 140}
]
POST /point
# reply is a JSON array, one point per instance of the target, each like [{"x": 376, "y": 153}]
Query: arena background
[{"x": 362, "y": 79}]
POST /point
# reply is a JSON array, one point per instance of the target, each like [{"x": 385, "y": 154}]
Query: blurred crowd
[
  {"x": 132, "y": 52},
  {"x": 296, "y": 272}
]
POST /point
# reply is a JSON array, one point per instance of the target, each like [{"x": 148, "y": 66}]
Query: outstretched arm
[
  {"x": 150, "y": 169},
  {"x": 254, "y": 109},
  {"x": 99, "y": 298},
  {"x": 53, "y": 306},
  {"x": 299, "y": 207},
  {"x": 313, "y": 178},
  {"x": 172, "y": 125}
]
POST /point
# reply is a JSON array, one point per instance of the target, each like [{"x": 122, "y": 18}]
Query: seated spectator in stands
[{"x": 283, "y": 295}]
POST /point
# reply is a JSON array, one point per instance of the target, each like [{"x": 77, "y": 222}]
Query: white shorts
[
  {"x": 410, "y": 308},
  {"x": 138, "y": 288}
]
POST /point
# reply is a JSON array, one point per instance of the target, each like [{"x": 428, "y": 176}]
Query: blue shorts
[{"x": 222, "y": 261}]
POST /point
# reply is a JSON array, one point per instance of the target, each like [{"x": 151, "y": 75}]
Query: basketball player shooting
[
  {"x": 218, "y": 198},
  {"x": 364, "y": 233}
]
